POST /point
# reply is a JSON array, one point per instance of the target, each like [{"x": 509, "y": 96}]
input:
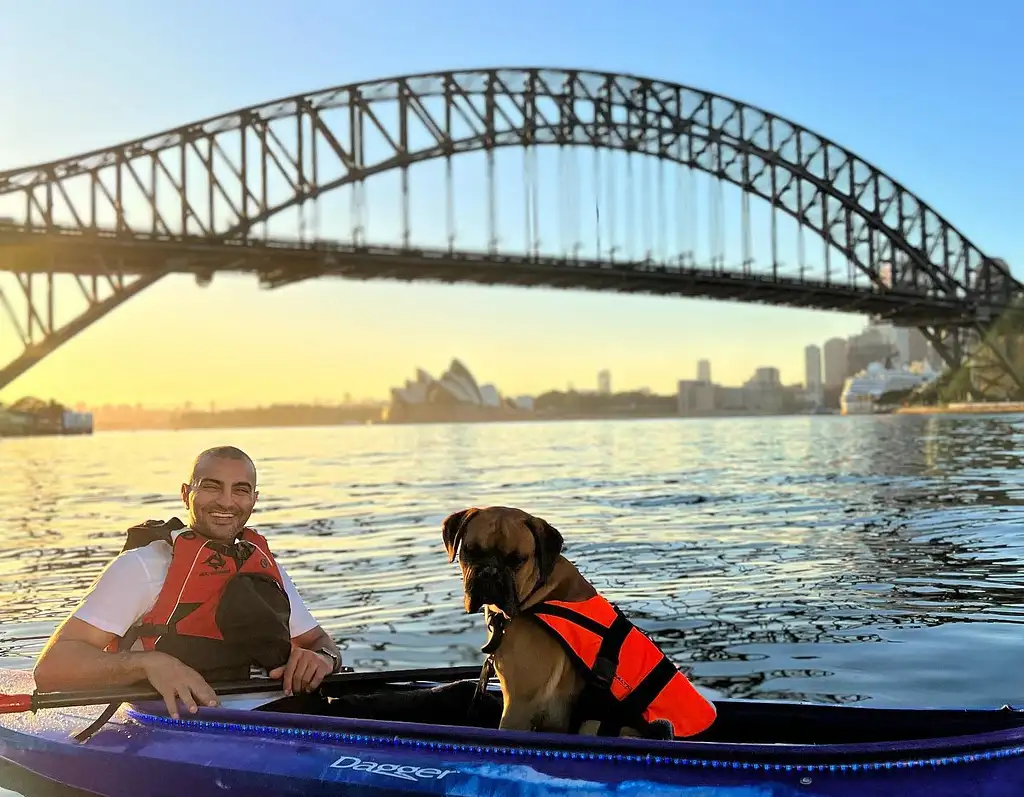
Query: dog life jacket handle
[{"x": 496, "y": 624}]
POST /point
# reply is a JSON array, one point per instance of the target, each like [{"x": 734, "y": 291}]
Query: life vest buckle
[{"x": 603, "y": 672}]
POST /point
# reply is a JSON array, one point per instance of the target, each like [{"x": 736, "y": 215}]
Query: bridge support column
[{"x": 986, "y": 361}]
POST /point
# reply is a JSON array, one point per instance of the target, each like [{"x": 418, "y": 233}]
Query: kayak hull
[{"x": 235, "y": 750}]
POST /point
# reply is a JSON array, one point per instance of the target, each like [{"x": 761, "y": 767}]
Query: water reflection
[{"x": 832, "y": 559}]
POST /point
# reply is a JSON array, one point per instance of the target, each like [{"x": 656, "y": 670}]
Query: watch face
[{"x": 331, "y": 656}]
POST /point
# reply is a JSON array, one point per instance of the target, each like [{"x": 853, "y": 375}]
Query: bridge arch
[
  {"x": 822, "y": 185},
  {"x": 850, "y": 203}
]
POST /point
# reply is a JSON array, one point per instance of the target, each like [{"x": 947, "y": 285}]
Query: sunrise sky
[{"x": 923, "y": 89}]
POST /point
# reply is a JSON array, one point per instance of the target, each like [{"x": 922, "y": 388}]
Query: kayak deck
[{"x": 272, "y": 744}]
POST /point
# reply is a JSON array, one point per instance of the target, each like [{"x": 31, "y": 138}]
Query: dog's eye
[{"x": 515, "y": 561}]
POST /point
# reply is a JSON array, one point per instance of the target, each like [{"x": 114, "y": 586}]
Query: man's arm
[
  {"x": 315, "y": 639},
  {"x": 305, "y": 668},
  {"x": 75, "y": 658}
]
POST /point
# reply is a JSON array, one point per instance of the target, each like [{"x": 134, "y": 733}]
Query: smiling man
[{"x": 185, "y": 604}]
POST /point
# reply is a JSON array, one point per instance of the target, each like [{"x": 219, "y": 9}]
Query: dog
[{"x": 547, "y": 623}]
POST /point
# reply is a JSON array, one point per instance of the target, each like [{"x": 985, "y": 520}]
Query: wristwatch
[{"x": 335, "y": 660}]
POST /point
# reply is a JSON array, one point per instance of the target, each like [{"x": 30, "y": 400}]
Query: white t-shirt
[{"x": 128, "y": 588}]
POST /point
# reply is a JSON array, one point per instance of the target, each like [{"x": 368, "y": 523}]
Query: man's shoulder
[{"x": 148, "y": 562}]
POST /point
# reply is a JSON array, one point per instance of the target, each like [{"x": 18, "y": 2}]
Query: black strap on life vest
[
  {"x": 150, "y": 531},
  {"x": 637, "y": 701}
]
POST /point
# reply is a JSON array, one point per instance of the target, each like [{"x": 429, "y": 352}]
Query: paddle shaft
[{"x": 13, "y": 704}]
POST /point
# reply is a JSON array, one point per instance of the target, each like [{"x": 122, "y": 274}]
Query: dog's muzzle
[{"x": 492, "y": 584}]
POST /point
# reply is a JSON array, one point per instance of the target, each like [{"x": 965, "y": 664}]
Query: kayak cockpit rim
[{"x": 972, "y": 733}]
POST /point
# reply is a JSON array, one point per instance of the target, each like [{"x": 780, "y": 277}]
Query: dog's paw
[
  {"x": 661, "y": 730},
  {"x": 589, "y": 728}
]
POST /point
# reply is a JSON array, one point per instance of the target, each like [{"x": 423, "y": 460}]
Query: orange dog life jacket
[{"x": 622, "y": 661}]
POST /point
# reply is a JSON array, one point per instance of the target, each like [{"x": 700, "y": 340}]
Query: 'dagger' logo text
[{"x": 391, "y": 770}]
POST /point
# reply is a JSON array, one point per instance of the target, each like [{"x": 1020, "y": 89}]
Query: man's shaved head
[{"x": 221, "y": 452}]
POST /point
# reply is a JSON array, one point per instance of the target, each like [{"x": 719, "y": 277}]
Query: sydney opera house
[{"x": 456, "y": 396}]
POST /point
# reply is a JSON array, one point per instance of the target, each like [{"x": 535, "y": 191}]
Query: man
[{"x": 105, "y": 641}]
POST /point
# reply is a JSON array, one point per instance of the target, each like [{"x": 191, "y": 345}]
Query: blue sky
[{"x": 929, "y": 91}]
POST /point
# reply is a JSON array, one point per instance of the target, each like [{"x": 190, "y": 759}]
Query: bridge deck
[{"x": 281, "y": 262}]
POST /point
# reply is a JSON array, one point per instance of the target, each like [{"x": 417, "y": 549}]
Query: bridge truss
[{"x": 551, "y": 177}]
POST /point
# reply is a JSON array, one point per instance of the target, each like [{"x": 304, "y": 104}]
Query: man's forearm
[
  {"x": 317, "y": 639},
  {"x": 70, "y": 664}
]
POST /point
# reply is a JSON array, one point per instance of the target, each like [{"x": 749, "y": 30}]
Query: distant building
[
  {"x": 813, "y": 392},
  {"x": 763, "y": 391},
  {"x": 812, "y": 367},
  {"x": 731, "y": 399},
  {"x": 767, "y": 376},
  {"x": 876, "y": 344},
  {"x": 695, "y": 397},
  {"x": 455, "y": 396},
  {"x": 920, "y": 348},
  {"x": 704, "y": 371},
  {"x": 835, "y": 362},
  {"x": 604, "y": 382}
]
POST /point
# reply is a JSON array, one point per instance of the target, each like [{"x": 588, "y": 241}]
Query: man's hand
[
  {"x": 303, "y": 672},
  {"x": 175, "y": 680}
]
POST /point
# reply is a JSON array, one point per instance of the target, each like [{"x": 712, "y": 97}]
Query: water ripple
[{"x": 828, "y": 559}]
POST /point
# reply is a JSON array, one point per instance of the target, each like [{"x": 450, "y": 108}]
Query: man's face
[{"x": 220, "y": 497}]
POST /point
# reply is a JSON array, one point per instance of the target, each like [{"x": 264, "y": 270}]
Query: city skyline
[
  {"x": 825, "y": 366},
  {"x": 236, "y": 345}
]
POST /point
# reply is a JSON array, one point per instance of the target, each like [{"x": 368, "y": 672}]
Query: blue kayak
[{"x": 263, "y": 743}]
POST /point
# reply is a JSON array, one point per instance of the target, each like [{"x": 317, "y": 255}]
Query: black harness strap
[
  {"x": 606, "y": 663},
  {"x": 569, "y": 614},
  {"x": 657, "y": 679}
]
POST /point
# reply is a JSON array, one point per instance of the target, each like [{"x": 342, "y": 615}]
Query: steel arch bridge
[{"x": 232, "y": 193}]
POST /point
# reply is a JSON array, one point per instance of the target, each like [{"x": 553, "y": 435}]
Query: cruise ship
[{"x": 861, "y": 392}]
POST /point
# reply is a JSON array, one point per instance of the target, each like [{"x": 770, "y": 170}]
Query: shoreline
[
  {"x": 477, "y": 421},
  {"x": 961, "y": 407}
]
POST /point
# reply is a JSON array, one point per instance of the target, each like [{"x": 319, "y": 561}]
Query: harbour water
[{"x": 858, "y": 559}]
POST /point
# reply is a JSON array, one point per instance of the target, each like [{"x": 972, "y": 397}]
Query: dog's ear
[
  {"x": 547, "y": 543},
  {"x": 453, "y": 529}
]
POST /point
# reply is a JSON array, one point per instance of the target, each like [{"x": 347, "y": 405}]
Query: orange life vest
[
  {"x": 205, "y": 615},
  {"x": 621, "y": 661}
]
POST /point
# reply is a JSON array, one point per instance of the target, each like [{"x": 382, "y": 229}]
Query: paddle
[{"x": 13, "y": 704}]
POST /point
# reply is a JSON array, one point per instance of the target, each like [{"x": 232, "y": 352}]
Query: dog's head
[{"x": 504, "y": 554}]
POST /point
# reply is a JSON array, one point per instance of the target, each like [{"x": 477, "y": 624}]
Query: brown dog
[{"x": 513, "y": 569}]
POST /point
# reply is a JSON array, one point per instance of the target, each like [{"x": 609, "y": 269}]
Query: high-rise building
[
  {"x": 835, "y": 362},
  {"x": 704, "y": 371},
  {"x": 919, "y": 346},
  {"x": 766, "y": 375},
  {"x": 812, "y": 368},
  {"x": 604, "y": 382}
]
